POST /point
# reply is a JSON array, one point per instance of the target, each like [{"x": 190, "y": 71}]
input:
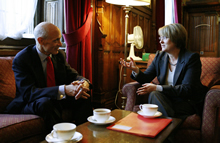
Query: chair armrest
[
  {"x": 129, "y": 90},
  {"x": 215, "y": 87},
  {"x": 210, "y": 115}
]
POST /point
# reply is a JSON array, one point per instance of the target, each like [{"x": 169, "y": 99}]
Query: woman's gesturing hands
[
  {"x": 146, "y": 88},
  {"x": 131, "y": 65}
]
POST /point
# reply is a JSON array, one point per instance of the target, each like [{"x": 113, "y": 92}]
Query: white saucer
[
  {"x": 76, "y": 138},
  {"x": 92, "y": 120},
  {"x": 157, "y": 114}
]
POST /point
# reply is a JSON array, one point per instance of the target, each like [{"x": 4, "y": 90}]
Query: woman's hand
[
  {"x": 146, "y": 88},
  {"x": 131, "y": 65}
]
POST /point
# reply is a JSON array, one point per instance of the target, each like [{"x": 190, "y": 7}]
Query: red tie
[{"x": 50, "y": 73}]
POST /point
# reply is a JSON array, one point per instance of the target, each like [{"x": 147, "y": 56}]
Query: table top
[{"x": 99, "y": 134}]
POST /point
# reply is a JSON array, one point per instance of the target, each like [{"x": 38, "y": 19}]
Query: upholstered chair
[{"x": 194, "y": 129}]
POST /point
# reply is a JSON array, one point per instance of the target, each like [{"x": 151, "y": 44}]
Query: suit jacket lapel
[
  {"x": 38, "y": 69},
  {"x": 55, "y": 65},
  {"x": 163, "y": 64},
  {"x": 179, "y": 67}
]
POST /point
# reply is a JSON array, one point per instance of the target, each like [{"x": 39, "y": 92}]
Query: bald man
[{"x": 33, "y": 93}]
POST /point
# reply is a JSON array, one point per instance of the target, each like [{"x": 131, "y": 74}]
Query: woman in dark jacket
[{"x": 180, "y": 92}]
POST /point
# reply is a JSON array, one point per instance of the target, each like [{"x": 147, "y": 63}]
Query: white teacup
[
  {"x": 64, "y": 131},
  {"x": 149, "y": 109},
  {"x": 101, "y": 114}
]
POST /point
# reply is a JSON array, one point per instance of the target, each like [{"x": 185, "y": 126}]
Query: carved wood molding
[
  {"x": 100, "y": 29},
  {"x": 144, "y": 11},
  {"x": 200, "y": 2},
  {"x": 202, "y": 8}
]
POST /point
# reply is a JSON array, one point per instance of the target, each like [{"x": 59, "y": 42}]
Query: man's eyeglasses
[{"x": 162, "y": 38}]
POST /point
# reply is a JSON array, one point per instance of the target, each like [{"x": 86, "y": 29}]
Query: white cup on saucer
[
  {"x": 101, "y": 114},
  {"x": 64, "y": 131},
  {"x": 148, "y": 109}
]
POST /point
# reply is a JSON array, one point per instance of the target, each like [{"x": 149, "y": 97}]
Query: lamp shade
[{"x": 129, "y": 2}]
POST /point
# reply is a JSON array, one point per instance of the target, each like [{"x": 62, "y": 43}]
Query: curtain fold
[
  {"x": 78, "y": 36},
  {"x": 160, "y": 19},
  {"x": 177, "y": 10}
]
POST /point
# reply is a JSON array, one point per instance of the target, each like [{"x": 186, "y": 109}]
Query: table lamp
[{"x": 127, "y": 5}]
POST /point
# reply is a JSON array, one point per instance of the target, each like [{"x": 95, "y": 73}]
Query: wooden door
[
  {"x": 203, "y": 33},
  {"x": 202, "y": 25}
]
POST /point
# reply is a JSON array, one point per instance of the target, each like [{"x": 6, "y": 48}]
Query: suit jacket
[
  {"x": 31, "y": 81},
  {"x": 186, "y": 81}
]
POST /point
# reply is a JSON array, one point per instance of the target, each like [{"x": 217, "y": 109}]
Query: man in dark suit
[
  {"x": 38, "y": 94},
  {"x": 178, "y": 71}
]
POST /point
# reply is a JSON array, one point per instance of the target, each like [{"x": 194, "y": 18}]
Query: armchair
[{"x": 194, "y": 129}]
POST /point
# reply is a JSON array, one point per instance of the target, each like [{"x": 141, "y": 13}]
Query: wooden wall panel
[
  {"x": 147, "y": 40},
  {"x": 108, "y": 35},
  {"x": 203, "y": 33},
  {"x": 202, "y": 24},
  {"x": 197, "y": 19},
  {"x": 132, "y": 22},
  {"x": 211, "y": 44},
  {"x": 106, "y": 54},
  {"x": 116, "y": 26}
]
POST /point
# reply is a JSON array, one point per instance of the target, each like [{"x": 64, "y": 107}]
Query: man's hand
[
  {"x": 72, "y": 89},
  {"x": 83, "y": 91},
  {"x": 86, "y": 84},
  {"x": 78, "y": 89},
  {"x": 146, "y": 88}
]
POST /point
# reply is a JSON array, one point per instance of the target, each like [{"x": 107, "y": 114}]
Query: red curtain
[
  {"x": 78, "y": 36},
  {"x": 177, "y": 9},
  {"x": 160, "y": 16},
  {"x": 160, "y": 19}
]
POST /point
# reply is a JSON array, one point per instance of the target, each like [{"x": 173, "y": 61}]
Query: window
[
  {"x": 16, "y": 16},
  {"x": 46, "y": 10},
  {"x": 169, "y": 12},
  {"x": 54, "y": 13}
]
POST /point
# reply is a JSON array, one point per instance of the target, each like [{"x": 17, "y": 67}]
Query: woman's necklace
[{"x": 172, "y": 64}]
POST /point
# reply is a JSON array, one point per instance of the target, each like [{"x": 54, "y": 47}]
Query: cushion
[
  {"x": 151, "y": 58},
  {"x": 7, "y": 82},
  {"x": 4, "y": 101},
  {"x": 7, "y": 79},
  {"x": 210, "y": 71},
  {"x": 16, "y": 127},
  {"x": 192, "y": 122},
  {"x": 187, "y": 136}
]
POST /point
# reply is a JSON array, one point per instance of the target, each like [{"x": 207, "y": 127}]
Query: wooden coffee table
[{"x": 99, "y": 134}]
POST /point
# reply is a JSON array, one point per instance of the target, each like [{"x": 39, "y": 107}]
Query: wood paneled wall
[
  {"x": 10, "y": 47},
  {"x": 108, "y": 34},
  {"x": 202, "y": 24},
  {"x": 108, "y": 46}
]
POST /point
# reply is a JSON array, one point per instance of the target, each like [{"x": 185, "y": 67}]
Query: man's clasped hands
[{"x": 78, "y": 89}]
